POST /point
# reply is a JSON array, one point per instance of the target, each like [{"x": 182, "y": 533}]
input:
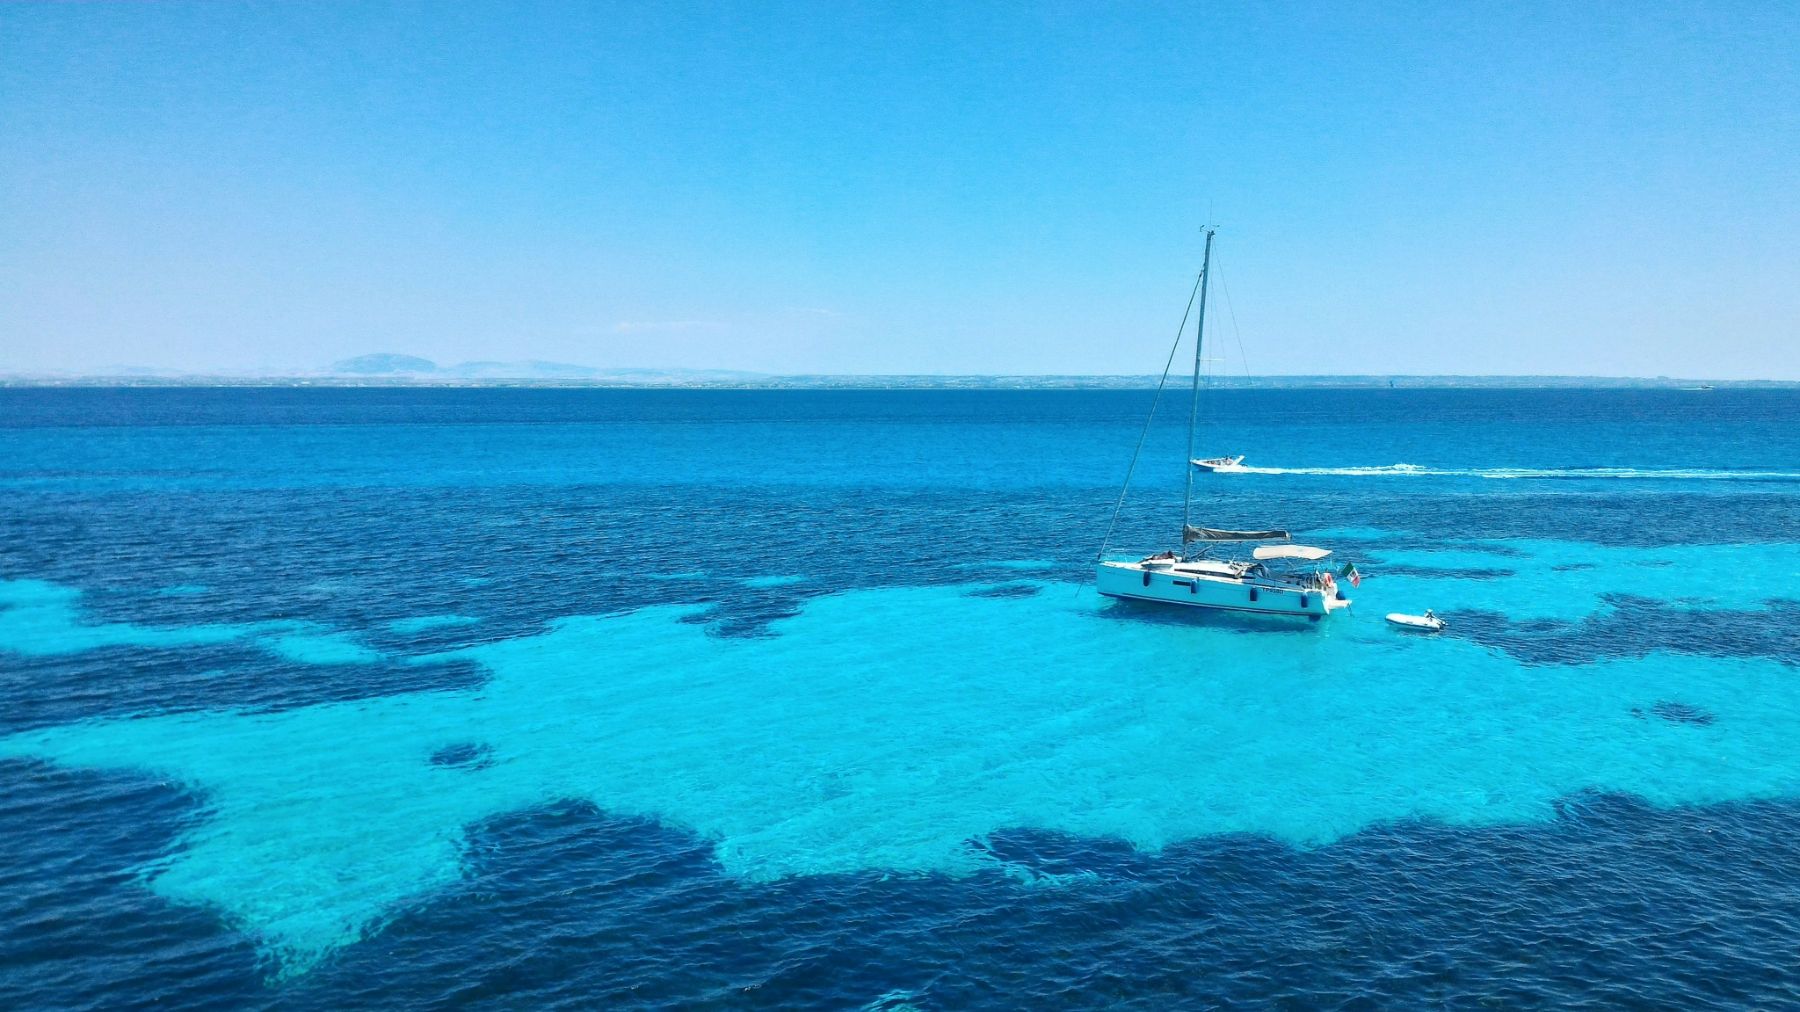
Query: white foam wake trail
[
  {"x": 1513, "y": 473},
  {"x": 1357, "y": 472}
]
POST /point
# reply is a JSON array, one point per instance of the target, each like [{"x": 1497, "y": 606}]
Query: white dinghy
[
  {"x": 1209, "y": 570},
  {"x": 1428, "y": 622}
]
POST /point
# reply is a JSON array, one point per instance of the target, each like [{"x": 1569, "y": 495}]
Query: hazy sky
[{"x": 850, "y": 187}]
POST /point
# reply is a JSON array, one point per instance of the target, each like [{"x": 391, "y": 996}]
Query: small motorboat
[
  {"x": 1220, "y": 463},
  {"x": 1428, "y": 622}
]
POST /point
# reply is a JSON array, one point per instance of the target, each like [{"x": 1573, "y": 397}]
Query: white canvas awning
[{"x": 1307, "y": 552}]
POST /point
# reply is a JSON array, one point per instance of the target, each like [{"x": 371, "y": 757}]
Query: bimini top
[
  {"x": 1191, "y": 533},
  {"x": 1307, "y": 552}
]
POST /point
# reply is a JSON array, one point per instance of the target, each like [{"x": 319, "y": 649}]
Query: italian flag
[{"x": 1349, "y": 573}]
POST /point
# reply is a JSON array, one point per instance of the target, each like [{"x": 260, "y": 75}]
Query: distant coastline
[
  {"x": 651, "y": 380},
  {"x": 392, "y": 370}
]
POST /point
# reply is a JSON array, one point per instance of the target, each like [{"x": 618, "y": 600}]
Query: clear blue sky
[{"x": 1604, "y": 188}]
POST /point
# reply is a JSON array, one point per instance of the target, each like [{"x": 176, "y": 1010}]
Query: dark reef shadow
[
  {"x": 1635, "y": 626},
  {"x": 1007, "y": 590},
  {"x": 464, "y": 755},
  {"x": 1151, "y": 613},
  {"x": 1678, "y": 713}
]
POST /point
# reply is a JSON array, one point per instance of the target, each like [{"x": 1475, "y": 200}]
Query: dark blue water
[{"x": 290, "y": 714}]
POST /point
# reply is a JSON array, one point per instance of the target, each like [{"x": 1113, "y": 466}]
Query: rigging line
[
  {"x": 1231, "y": 310},
  {"x": 1160, "y": 384}
]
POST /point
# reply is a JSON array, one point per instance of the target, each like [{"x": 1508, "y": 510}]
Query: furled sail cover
[{"x": 1208, "y": 534}]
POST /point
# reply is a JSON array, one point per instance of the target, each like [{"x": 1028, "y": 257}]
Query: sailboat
[{"x": 1278, "y": 578}]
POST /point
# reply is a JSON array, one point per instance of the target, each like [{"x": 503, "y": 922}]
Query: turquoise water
[{"x": 858, "y": 685}]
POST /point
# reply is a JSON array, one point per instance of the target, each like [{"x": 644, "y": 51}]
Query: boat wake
[{"x": 1514, "y": 473}]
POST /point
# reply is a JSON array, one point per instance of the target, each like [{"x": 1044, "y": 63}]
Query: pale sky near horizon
[{"x": 1601, "y": 189}]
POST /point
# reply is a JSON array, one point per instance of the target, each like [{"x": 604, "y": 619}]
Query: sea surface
[{"x": 324, "y": 699}]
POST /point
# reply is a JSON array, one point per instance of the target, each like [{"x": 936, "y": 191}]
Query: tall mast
[{"x": 1187, "y": 500}]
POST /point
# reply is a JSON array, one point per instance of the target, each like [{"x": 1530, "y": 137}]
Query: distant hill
[
  {"x": 384, "y": 364},
  {"x": 388, "y": 364},
  {"x": 518, "y": 370}
]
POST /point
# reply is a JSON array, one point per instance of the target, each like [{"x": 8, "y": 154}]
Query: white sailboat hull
[{"x": 1189, "y": 589}]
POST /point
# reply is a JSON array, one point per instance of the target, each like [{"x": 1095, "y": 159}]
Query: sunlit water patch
[
  {"x": 38, "y": 618},
  {"x": 763, "y": 582},
  {"x": 906, "y": 729}
]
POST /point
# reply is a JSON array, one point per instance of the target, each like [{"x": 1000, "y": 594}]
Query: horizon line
[{"x": 651, "y": 378}]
